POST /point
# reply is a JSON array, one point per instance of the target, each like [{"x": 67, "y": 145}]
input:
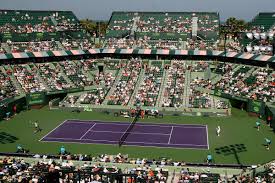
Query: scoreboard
[
  {"x": 37, "y": 98},
  {"x": 256, "y": 106}
]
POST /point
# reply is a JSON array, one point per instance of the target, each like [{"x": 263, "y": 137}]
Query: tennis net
[{"x": 128, "y": 130}]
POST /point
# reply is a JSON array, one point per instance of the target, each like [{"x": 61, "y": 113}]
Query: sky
[{"x": 102, "y": 9}]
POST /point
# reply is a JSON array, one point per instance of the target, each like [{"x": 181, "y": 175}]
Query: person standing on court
[
  {"x": 258, "y": 124},
  {"x": 269, "y": 118},
  {"x": 37, "y": 127},
  {"x": 268, "y": 143},
  {"x": 14, "y": 109},
  {"x": 209, "y": 158},
  {"x": 218, "y": 131}
]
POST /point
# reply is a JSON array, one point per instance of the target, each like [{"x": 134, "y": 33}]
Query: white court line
[
  {"x": 207, "y": 136},
  {"x": 53, "y": 129},
  {"x": 111, "y": 141},
  {"x": 131, "y": 132},
  {"x": 140, "y": 146},
  {"x": 60, "y": 138},
  {"x": 87, "y": 131},
  {"x": 170, "y": 134},
  {"x": 107, "y": 123},
  {"x": 160, "y": 124}
]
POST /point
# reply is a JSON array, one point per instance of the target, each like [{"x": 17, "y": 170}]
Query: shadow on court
[
  {"x": 6, "y": 138},
  {"x": 232, "y": 150}
]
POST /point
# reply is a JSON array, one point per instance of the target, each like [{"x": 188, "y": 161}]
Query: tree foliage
[
  {"x": 94, "y": 27},
  {"x": 233, "y": 26}
]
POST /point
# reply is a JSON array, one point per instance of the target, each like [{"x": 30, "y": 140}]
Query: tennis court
[{"x": 142, "y": 134}]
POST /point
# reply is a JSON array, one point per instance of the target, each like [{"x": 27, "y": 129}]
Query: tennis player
[
  {"x": 218, "y": 130},
  {"x": 268, "y": 143},
  {"x": 258, "y": 124},
  {"x": 37, "y": 127}
]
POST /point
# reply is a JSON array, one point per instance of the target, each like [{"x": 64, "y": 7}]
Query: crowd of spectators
[
  {"x": 33, "y": 46},
  {"x": 268, "y": 175},
  {"x": 255, "y": 85},
  {"x": 230, "y": 79},
  {"x": 198, "y": 44},
  {"x": 166, "y": 22},
  {"x": 120, "y": 43},
  {"x": 162, "y": 31},
  {"x": 105, "y": 79},
  {"x": 127, "y": 83},
  {"x": 53, "y": 77},
  {"x": 149, "y": 89},
  {"x": 76, "y": 44},
  {"x": 29, "y": 22},
  {"x": 27, "y": 28},
  {"x": 142, "y": 43},
  {"x": 38, "y": 46},
  {"x": 242, "y": 81},
  {"x": 74, "y": 73},
  {"x": 7, "y": 88},
  {"x": 86, "y": 168},
  {"x": 34, "y": 31},
  {"x": 187, "y": 176},
  {"x": 49, "y": 170},
  {"x": 199, "y": 99},
  {"x": 70, "y": 100},
  {"x": 220, "y": 104},
  {"x": 149, "y": 174},
  {"x": 88, "y": 64},
  {"x": 199, "y": 66},
  {"x": 147, "y": 43},
  {"x": 75, "y": 167},
  {"x": 94, "y": 97},
  {"x": 174, "y": 87},
  {"x": 27, "y": 78}
]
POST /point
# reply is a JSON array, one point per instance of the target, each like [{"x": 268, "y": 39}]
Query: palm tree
[
  {"x": 233, "y": 27},
  {"x": 88, "y": 25}
]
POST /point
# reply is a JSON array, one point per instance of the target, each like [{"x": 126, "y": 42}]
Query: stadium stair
[
  {"x": 60, "y": 46},
  {"x": 139, "y": 81},
  {"x": 173, "y": 177},
  {"x": 88, "y": 74},
  {"x": 66, "y": 77},
  {"x": 135, "y": 26},
  {"x": 251, "y": 71},
  {"x": 186, "y": 92},
  {"x": 6, "y": 47},
  {"x": 111, "y": 91},
  {"x": 38, "y": 75},
  {"x": 53, "y": 21},
  {"x": 236, "y": 67},
  {"x": 162, "y": 88},
  {"x": 215, "y": 78},
  {"x": 3, "y": 70},
  {"x": 212, "y": 102},
  {"x": 194, "y": 27}
]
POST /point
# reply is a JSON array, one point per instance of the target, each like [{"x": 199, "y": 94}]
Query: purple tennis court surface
[{"x": 143, "y": 134}]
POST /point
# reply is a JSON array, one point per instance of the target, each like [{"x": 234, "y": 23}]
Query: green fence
[
  {"x": 253, "y": 106},
  {"x": 8, "y": 106}
]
